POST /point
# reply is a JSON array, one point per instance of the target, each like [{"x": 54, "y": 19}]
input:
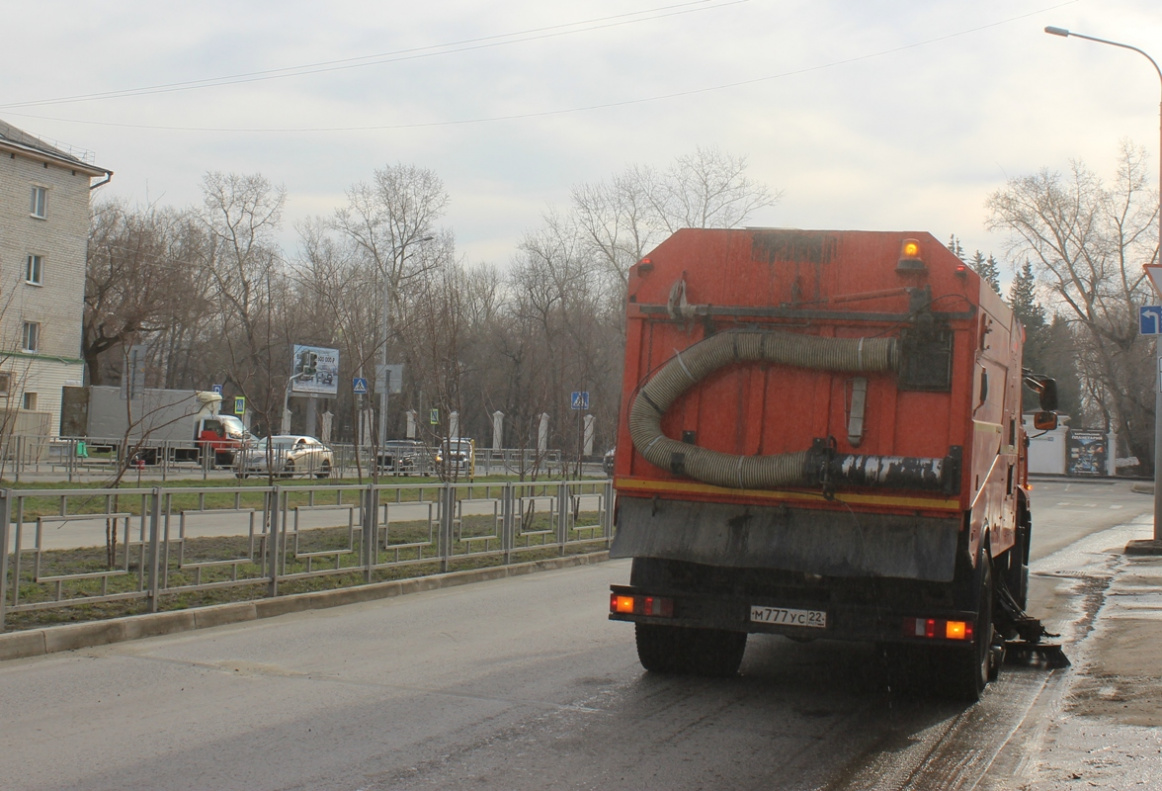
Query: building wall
[{"x": 57, "y": 303}]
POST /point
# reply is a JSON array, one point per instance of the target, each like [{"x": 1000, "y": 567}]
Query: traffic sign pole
[
  {"x": 1150, "y": 318},
  {"x": 1158, "y": 447}
]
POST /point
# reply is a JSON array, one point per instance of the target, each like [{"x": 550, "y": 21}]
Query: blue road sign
[
  {"x": 359, "y": 385},
  {"x": 580, "y": 399},
  {"x": 1150, "y": 320}
]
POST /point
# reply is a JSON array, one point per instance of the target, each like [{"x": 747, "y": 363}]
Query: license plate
[{"x": 781, "y": 616}]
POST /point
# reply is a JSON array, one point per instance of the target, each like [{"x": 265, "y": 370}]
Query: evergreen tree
[
  {"x": 955, "y": 246},
  {"x": 988, "y": 269},
  {"x": 1052, "y": 350},
  {"x": 1023, "y": 299}
]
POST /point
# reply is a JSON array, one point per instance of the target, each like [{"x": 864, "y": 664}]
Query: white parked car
[{"x": 287, "y": 455}]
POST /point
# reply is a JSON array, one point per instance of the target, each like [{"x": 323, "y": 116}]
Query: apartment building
[{"x": 44, "y": 230}]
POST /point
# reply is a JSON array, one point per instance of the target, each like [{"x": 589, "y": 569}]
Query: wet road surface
[{"x": 521, "y": 684}]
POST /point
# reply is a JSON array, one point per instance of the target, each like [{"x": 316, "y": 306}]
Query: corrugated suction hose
[{"x": 694, "y": 364}]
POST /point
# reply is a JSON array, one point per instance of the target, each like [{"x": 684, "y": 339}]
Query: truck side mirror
[
  {"x": 1045, "y": 421},
  {"x": 1044, "y": 387},
  {"x": 1048, "y": 395}
]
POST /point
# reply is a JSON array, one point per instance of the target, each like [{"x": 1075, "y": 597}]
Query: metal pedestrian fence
[{"x": 86, "y": 554}]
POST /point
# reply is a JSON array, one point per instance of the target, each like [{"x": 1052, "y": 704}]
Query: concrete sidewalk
[{"x": 1098, "y": 724}]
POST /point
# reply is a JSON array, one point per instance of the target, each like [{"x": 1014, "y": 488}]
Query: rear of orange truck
[{"x": 821, "y": 438}]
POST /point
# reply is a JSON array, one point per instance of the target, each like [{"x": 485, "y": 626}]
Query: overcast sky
[{"x": 865, "y": 114}]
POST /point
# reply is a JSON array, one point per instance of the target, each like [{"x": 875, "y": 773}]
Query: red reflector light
[{"x": 930, "y": 628}]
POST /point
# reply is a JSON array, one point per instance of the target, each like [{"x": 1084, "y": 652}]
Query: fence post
[
  {"x": 272, "y": 519},
  {"x": 563, "y": 509},
  {"x": 370, "y": 519},
  {"x": 154, "y": 548},
  {"x": 5, "y": 528},
  {"x": 508, "y": 521},
  {"x": 447, "y": 508}
]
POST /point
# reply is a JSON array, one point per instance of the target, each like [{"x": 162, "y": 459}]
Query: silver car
[
  {"x": 287, "y": 455},
  {"x": 405, "y": 457}
]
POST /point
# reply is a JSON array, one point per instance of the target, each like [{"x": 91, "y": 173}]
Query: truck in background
[
  {"x": 821, "y": 438},
  {"x": 181, "y": 425}
]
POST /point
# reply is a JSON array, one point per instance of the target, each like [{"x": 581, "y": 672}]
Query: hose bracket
[{"x": 819, "y": 465}]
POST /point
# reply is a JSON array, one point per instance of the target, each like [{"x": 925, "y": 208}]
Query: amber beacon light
[{"x": 910, "y": 260}]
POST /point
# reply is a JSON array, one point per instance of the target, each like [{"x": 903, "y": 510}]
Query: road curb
[{"x": 69, "y": 637}]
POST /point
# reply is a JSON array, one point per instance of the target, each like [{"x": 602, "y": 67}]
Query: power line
[
  {"x": 567, "y": 110},
  {"x": 466, "y": 45}
]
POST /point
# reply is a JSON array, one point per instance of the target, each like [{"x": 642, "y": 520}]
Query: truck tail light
[
  {"x": 620, "y": 604},
  {"x": 937, "y": 628}
]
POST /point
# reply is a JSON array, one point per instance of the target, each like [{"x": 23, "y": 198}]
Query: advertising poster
[
  {"x": 316, "y": 371},
  {"x": 1087, "y": 452}
]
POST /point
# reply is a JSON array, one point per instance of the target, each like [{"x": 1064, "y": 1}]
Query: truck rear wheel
[
  {"x": 700, "y": 652},
  {"x": 964, "y": 672}
]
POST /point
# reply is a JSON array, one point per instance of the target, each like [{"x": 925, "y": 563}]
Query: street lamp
[
  {"x": 387, "y": 300},
  {"x": 1151, "y": 547}
]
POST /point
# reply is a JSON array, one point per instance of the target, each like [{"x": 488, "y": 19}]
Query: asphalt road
[{"x": 512, "y": 684}]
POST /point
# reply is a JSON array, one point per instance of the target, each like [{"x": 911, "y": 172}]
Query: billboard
[
  {"x": 316, "y": 371},
  {"x": 1087, "y": 452}
]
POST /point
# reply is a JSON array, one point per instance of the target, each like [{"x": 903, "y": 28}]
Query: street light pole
[
  {"x": 286, "y": 418},
  {"x": 1152, "y": 547}
]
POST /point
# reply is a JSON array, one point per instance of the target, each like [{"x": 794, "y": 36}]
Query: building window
[
  {"x": 39, "y": 207},
  {"x": 31, "y": 336},
  {"x": 5, "y": 383},
  {"x": 30, "y": 402},
  {"x": 33, "y": 269}
]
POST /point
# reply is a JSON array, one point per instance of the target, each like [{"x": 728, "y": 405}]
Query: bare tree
[
  {"x": 241, "y": 214},
  {"x": 707, "y": 189},
  {"x": 140, "y": 283},
  {"x": 389, "y": 223},
  {"x": 334, "y": 281},
  {"x": 624, "y": 218},
  {"x": 1087, "y": 242},
  {"x": 435, "y": 345}
]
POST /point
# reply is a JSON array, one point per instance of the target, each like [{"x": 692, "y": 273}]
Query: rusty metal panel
[{"x": 827, "y": 543}]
